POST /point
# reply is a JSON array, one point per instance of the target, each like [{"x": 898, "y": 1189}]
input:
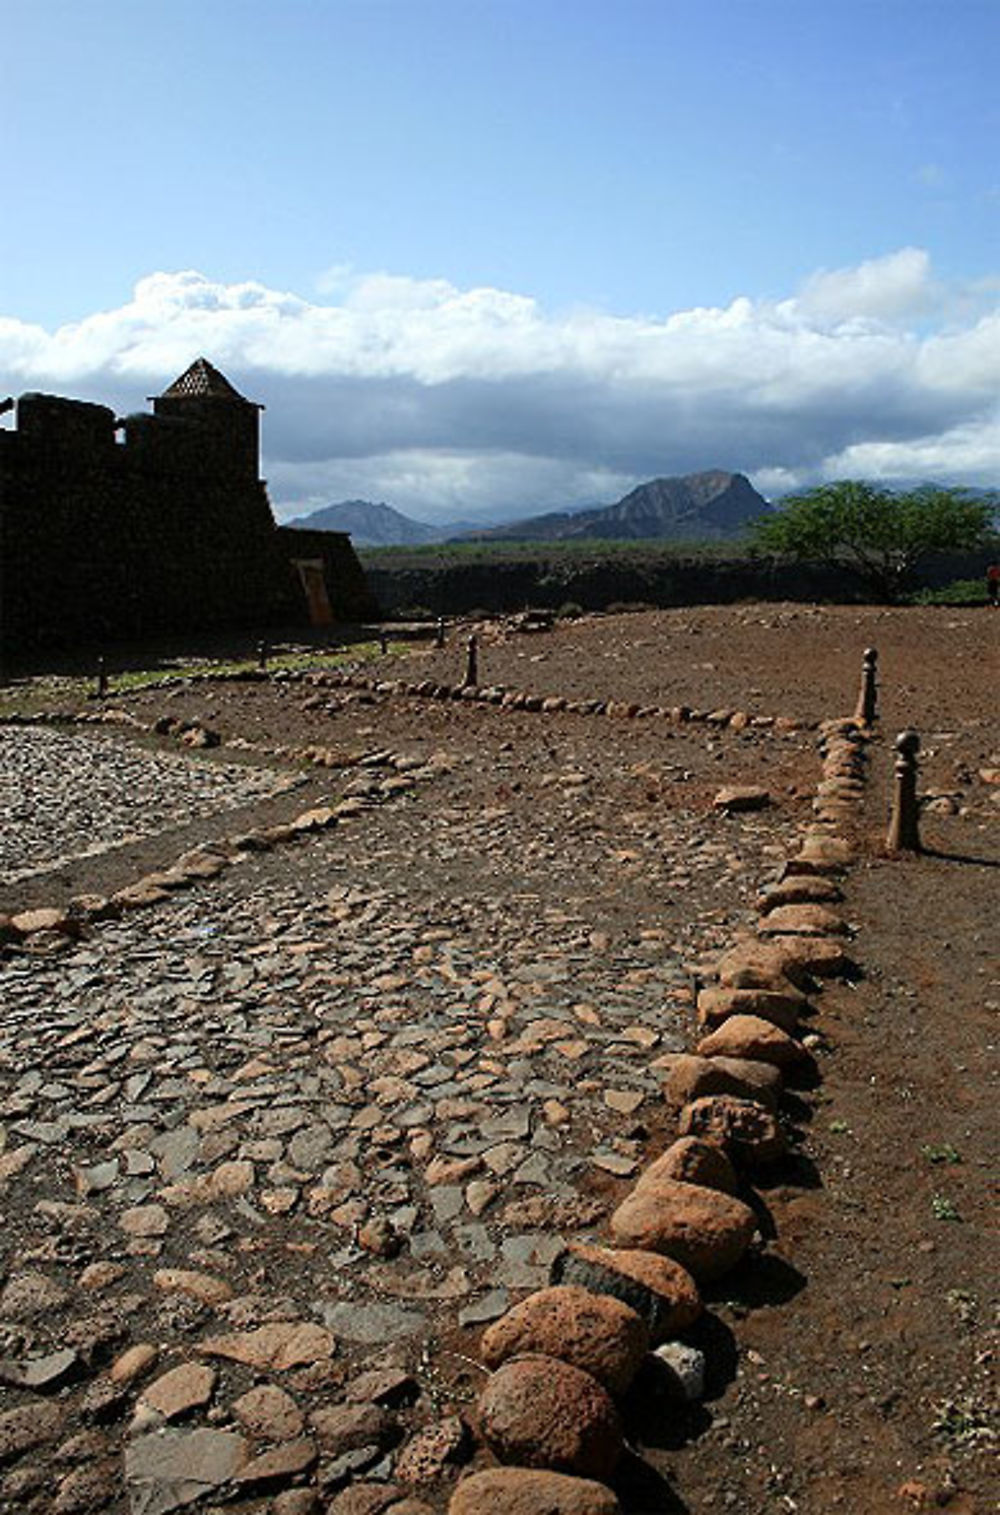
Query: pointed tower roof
[{"x": 203, "y": 381}]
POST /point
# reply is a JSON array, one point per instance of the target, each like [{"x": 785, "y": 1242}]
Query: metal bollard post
[
  {"x": 868, "y": 693},
  {"x": 471, "y": 679},
  {"x": 439, "y": 634},
  {"x": 102, "y": 678},
  {"x": 383, "y": 643},
  {"x": 904, "y": 829},
  {"x": 262, "y": 651}
]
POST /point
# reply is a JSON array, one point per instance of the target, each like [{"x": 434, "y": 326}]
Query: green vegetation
[
  {"x": 966, "y": 1421},
  {"x": 68, "y": 690},
  {"x": 882, "y": 535},
  {"x": 443, "y": 554},
  {"x": 964, "y": 1305},
  {"x": 958, "y": 592},
  {"x": 945, "y": 1153},
  {"x": 141, "y": 678},
  {"x": 942, "y": 1208}
]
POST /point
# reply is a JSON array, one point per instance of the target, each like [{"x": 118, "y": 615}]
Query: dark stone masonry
[{"x": 154, "y": 524}]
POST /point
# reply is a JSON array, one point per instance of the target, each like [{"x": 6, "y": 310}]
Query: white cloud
[
  {"x": 883, "y": 289},
  {"x": 449, "y": 401},
  {"x": 963, "y": 455}
]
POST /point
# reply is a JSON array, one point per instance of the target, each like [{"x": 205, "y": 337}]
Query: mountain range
[
  {"x": 698, "y": 506},
  {"x": 372, "y": 525}
]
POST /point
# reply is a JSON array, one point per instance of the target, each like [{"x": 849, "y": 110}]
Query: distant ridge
[
  {"x": 371, "y": 525},
  {"x": 712, "y": 504}
]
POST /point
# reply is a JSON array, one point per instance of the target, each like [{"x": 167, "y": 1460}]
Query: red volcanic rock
[
  {"x": 748, "y": 1036},
  {"x": 780, "y": 1007},
  {"x": 804, "y": 890},
  {"x": 738, "y": 799},
  {"x": 821, "y": 853},
  {"x": 687, "y": 1078},
  {"x": 529, "y": 1491},
  {"x": 812, "y": 956},
  {"x": 802, "y": 920},
  {"x": 658, "y": 1289},
  {"x": 705, "y": 1231},
  {"x": 539, "y": 1412},
  {"x": 692, "y": 1161},
  {"x": 592, "y": 1331},
  {"x": 749, "y": 1133},
  {"x": 753, "y": 964}
]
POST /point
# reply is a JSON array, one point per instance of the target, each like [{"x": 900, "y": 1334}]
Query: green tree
[{"x": 882, "y": 535}]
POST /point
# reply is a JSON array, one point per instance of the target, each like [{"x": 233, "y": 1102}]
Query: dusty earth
[{"x": 482, "y": 966}]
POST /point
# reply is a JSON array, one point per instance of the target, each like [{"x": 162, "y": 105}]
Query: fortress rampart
[{"x": 114, "y": 528}]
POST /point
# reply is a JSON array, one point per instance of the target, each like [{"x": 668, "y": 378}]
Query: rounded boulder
[
  {"x": 749, "y": 1036},
  {"x": 687, "y": 1077},
  {"x": 592, "y": 1331},
  {"x": 780, "y": 1007},
  {"x": 539, "y": 1412},
  {"x": 705, "y": 1231},
  {"x": 693, "y": 1161},
  {"x": 658, "y": 1289},
  {"x": 531, "y": 1491}
]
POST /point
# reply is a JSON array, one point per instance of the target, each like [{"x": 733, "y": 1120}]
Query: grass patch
[
  {"x": 595, "y": 548},
  {"x": 945, "y": 1153},
  {"x": 958, "y": 592},
  {"x": 31, "y": 695},
  {"x": 942, "y": 1208}
]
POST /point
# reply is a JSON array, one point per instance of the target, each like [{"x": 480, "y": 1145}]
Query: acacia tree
[{"x": 880, "y": 534}]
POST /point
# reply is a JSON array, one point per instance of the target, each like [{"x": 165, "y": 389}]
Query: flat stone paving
[
  {"x": 72, "y": 795},
  {"x": 365, "y": 1084}
]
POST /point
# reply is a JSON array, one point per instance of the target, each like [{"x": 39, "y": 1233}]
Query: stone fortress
[{"x": 154, "y": 524}]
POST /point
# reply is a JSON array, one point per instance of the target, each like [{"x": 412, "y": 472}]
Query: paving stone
[
  {"x": 279, "y": 1346},
  {"x": 187, "y": 1387},
  {"x": 292, "y": 1054},
  {"x": 374, "y": 1323},
  {"x": 268, "y": 1413},
  {"x": 27, "y": 1427},
  {"x": 166, "y": 1470}
]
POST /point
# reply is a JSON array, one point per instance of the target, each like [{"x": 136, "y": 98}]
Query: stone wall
[
  {"x": 402, "y": 583},
  {"x": 168, "y": 530}
]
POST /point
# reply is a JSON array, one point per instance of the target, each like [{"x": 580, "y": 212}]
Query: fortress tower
[
  {"x": 167, "y": 530},
  {"x": 200, "y": 423}
]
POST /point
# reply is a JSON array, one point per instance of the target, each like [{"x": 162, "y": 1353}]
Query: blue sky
[{"x": 493, "y": 255}]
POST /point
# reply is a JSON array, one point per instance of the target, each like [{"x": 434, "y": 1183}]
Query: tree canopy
[{"x": 881, "y": 534}]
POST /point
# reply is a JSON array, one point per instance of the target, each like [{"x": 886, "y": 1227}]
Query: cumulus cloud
[
  {"x": 449, "y": 401},
  {"x": 884, "y": 289}
]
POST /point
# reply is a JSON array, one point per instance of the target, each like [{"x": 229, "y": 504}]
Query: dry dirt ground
[{"x": 475, "y": 972}]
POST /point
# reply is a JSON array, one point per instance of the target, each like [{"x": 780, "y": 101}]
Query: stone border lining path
[{"x": 563, "y": 1356}]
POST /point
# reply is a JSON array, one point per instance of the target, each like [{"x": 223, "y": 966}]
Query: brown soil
[{"x": 851, "y": 1363}]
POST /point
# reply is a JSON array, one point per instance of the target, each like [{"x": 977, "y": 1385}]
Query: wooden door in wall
[{"x": 313, "y": 579}]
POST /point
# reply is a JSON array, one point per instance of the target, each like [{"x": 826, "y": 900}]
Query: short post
[
  {"x": 904, "y": 829},
  {"x": 262, "y": 651},
  {"x": 471, "y": 679},
  {"x": 102, "y": 678},
  {"x": 439, "y": 634},
  {"x": 868, "y": 693},
  {"x": 383, "y": 643}
]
